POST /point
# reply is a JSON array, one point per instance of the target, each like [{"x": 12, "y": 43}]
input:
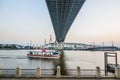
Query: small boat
[{"x": 43, "y": 55}]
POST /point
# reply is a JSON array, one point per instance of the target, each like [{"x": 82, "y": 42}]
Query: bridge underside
[{"x": 63, "y": 13}]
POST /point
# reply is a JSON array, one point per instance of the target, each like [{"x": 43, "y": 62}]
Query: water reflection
[{"x": 61, "y": 62}]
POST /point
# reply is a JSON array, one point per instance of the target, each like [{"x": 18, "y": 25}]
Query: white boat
[{"x": 40, "y": 55}]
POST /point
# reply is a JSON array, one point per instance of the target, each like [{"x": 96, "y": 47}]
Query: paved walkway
[{"x": 55, "y": 79}]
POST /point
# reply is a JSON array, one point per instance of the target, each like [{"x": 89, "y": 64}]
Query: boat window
[{"x": 31, "y": 53}]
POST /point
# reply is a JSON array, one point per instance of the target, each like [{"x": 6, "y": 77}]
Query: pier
[{"x": 110, "y": 67}]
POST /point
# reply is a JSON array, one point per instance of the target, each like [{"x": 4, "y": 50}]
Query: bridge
[
  {"x": 69, "y": 46},
  {"x": 63, "y": 13}
]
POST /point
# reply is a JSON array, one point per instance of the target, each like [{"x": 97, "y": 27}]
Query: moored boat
[{"x": 40, "y": 55}]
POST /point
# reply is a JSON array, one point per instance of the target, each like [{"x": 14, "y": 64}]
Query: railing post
[
  {"x": 58, "y": 74},
  {"x": 0, "y": 72},
  {"x": 78, "y": 72},
  {"x": 117, "y": 72},
  {"x": 98, "y": 73},
  {"x": 18, "y": 72},
  {"x": 38, "y": 73}
]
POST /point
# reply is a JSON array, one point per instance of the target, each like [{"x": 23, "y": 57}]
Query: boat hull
[
  {"x": 41, "y": 55},
  {"x": 47, "y": 57}
]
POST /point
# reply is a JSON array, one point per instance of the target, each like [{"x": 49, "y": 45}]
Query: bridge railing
[{"x": 78, "y": 73}]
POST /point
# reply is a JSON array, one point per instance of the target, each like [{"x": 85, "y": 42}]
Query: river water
[{"x": 10, "y": 59}]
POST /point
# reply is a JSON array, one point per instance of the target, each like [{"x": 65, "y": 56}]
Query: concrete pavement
[{"x": 58, "y": 79}]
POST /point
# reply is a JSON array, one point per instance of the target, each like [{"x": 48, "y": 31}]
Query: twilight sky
[{"x": 23, "y": 21}]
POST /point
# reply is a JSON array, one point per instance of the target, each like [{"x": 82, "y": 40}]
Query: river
[{"x": 10, "y": 59}]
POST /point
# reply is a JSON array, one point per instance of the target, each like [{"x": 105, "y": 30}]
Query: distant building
[
  {"x": 11, "y": 46},
  {"x": 104, "y": 48}
]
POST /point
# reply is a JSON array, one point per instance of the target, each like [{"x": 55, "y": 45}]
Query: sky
[{"x": 25, "y": 21}]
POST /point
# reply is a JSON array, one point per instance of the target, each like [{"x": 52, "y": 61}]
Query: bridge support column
[
  {"x": 58, "y": 74},
  {"x": 38, "y": 73},
  {"x": 78, "y": 72},
  {"x": 117, "y": 72},
  {"x": 18, "y": 72},
  {"x": 60, "y": 45},
  {"x": 98, "y": 73}
]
